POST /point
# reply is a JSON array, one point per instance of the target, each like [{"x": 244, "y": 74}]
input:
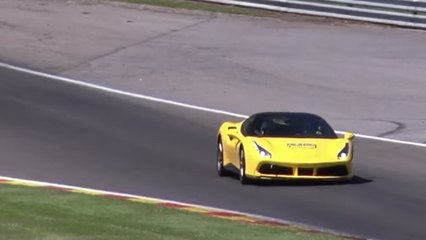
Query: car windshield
[{"x": 289, "y": 125}]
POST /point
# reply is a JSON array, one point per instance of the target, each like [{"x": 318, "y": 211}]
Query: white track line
[{"x": 170, "y": 102}]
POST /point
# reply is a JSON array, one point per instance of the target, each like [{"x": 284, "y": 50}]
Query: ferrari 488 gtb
[{"x": 282, "y": 145}]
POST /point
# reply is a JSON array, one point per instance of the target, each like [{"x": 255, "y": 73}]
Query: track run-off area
[
  {"x": 60, "y": 132},
  {"x": 105, "y": 133}
]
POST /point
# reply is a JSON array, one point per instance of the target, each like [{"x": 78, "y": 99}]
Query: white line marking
[
  {"x": 184, "y": 105},
  {"x": 387, "y": 140},
  {"x": 111, "y": 90}
]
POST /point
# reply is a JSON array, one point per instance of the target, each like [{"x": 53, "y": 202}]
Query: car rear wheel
[
  {"x": 221, "y": 171},
  {"x": 243, "y": 177}
]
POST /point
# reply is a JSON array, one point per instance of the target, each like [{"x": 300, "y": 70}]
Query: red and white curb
[{"x": 208, "y": 211}]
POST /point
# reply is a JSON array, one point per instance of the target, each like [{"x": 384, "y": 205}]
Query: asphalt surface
[
  {"x": 363, "y": 78},
  {"x": 58, "y": 132}
]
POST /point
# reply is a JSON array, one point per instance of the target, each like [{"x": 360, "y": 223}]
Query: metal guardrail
[{"x": 393, "y": 12}]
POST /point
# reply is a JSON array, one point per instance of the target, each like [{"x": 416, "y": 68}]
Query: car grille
[
  {"x": 332, "y": 171},
  {"x": 305, "y": 171},
  {"x": 275, "y": 169}
]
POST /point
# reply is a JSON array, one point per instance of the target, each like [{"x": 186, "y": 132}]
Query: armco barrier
[{"x": 394, "y": 12}]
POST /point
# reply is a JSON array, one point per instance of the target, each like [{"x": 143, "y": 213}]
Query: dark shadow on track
[{"x": 356, "y": 180}]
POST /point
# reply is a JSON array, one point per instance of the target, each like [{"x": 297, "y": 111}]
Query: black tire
[
  {"x": 221, "y": 171},
  {"x": 243, "y": 178}
]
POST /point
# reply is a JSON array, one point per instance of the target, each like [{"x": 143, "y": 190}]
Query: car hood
[{"x": 309, "y": 150}]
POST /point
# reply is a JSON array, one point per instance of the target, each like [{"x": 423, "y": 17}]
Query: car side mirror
[{"x": 349, "y": 135}]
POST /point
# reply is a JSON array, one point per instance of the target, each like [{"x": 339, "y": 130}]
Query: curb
[{"x": 203, "y": 210}]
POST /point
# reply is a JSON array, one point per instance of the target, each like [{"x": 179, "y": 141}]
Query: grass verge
[
  {"x": 206, "y": 6},
  {"x": 239, "y": 10},
  {"x": 40, "y": 213}
]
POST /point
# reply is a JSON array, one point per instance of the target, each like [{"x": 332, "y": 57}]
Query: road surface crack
[{"x": 146, "y": 40}]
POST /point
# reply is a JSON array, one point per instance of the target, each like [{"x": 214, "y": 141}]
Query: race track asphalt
[{"x": 58, "y": 132}]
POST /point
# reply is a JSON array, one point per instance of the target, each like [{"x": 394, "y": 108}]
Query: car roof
[{"x": 284, "y": 114}]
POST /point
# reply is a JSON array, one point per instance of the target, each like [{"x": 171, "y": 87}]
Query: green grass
[
  {"x": 204, "y": 6},
  {"x": 38, "y": 213}
]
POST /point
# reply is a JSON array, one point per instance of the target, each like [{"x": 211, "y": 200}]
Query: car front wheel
[
  {"x": 221, "y": 171},
  {"x": 243, "y": 178}
]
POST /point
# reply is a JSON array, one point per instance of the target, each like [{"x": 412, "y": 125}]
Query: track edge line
[{"x": 175, "y": 103}]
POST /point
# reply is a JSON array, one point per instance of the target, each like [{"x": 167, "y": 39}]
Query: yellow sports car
[{"x": 283, "y": 145}]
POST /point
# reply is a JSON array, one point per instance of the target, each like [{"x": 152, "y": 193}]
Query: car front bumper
[{"x": 279, "y": 170}]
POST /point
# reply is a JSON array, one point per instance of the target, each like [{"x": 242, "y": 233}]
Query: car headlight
[
  {"x": 262, "y": 152},
  {"x": 344, "y": 153}
]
